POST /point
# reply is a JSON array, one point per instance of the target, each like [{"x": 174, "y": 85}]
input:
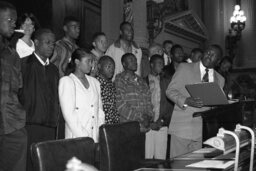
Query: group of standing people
[{"x": 43, "y": 80}]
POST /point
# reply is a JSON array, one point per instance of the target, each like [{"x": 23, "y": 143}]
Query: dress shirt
[
  {"x": 41, "y": 61},
  {"x": 210, "y": 72},
  {"x": 167, "y": 59}
]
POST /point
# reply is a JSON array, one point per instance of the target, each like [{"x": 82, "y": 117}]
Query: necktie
[{"x": 206, "y": 75}]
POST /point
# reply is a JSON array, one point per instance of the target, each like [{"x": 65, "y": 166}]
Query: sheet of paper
[
  {"x": 218, "y": 164},
  {"x": 229, "y": 156},
  {"x": 232, "y": 101},
  {"x": 204, "y": 150}
]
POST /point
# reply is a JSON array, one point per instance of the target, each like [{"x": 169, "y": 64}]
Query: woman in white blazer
[
  {"x": 26, "y": 24},
  {"x": 80, "y": 98}
]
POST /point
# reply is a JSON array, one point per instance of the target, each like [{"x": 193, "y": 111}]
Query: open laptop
[{"x": 210, "y": 93}]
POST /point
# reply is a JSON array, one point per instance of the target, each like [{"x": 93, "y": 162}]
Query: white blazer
[
  {"x": 81, "y": 107},
  {"x": 23, "y": 49}
]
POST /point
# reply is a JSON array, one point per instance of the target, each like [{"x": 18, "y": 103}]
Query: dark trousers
[
  {"x": 168, "y": 147},
  {"x": 13, "y": 151},
  {"x": 37, "y": 133},
  {"x": 61, "y": 128}
]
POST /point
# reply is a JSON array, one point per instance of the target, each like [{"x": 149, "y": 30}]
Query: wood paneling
[
  {"x": 42, "y": 9},
  {"x": 87, "y": 11}
]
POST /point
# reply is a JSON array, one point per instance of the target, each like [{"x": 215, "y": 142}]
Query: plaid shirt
[
  {"x": 12, "y": 114},
  {"x": 133, "y": 97}
]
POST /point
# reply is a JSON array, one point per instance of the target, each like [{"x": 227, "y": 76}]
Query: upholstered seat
[
  {"x": 53, "y": 155},
  {"x": 122, "y": 147}
]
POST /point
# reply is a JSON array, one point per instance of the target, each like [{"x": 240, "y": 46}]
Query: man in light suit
[{"x": 186, "y": 131}]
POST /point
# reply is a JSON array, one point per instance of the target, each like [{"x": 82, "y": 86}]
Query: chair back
[
  {"x": 53, "y": 155},
  {"x": 122, "y": 147}
]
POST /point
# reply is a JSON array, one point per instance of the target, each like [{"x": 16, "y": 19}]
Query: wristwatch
[{"x": 185, "y": 106}]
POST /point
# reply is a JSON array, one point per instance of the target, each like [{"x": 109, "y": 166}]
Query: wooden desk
[
  {"x": 180, "y": 163},
  {"x": 160, "y": 169},
  {"x": 226, "y": 116}
]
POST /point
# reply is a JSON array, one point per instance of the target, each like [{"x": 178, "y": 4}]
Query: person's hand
[
  {"x": 155, "y": 126},
  {"x": 143, "y": 129},
  {"x": 194, "y": 102},
  {"x": 83, "y": 167},
  {"x": 75, "y": 164},
  {"x": 146, "y": 119},
  {"x": 160, "y": 123}
]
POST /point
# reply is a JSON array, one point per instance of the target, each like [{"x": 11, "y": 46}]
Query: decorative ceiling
[{"x": 187, "y": 25}]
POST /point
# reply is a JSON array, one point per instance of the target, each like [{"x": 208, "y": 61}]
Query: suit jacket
[
  {"x": 81, "y": 107},
  {"x": 39, "y": 94},
  {"x": 182, "y": 123}
]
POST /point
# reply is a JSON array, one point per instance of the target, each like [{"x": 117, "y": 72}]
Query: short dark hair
[
  {"x": 40, "y": 32},
  {"x": 123, "y": 24},
  {"x": 69, "y": 19},
  {"x": 155, "y": 57},
  {"x": 218, "y": 47},
  {"x": 21, "y": 20},
  {"x": 226, "y": 58},
  {"x": 6, "y": 5},
  {"x": 195, "y": 50},
  {"x": 167, "y": 42},
  {"x": 104, "y": 59},
  {"x": 96, "y": 35},
  {"x": 125, "y": 56},
  {"x": 176, "y": 46}
]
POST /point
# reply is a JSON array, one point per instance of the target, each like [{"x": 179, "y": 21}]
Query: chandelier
[{"x": 238, "y": 20}]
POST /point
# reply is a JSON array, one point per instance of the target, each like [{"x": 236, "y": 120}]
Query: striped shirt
[{"x": 62, "y": 54}]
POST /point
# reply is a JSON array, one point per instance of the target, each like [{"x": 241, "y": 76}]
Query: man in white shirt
[
  {"x": 124, "y": 44},
  {"x": 186, "y": 131},
  {"x": 167, "y": 46}
]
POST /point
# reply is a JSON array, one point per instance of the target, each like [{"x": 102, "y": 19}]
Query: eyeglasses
[
  {"x": 11, "y": 20},
  {"x": 28, "y": 25}
]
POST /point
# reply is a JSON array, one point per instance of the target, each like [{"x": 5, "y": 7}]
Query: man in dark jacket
[
  {"x": 40, "y": 91},
  {"x": 13, "y": 136}
]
